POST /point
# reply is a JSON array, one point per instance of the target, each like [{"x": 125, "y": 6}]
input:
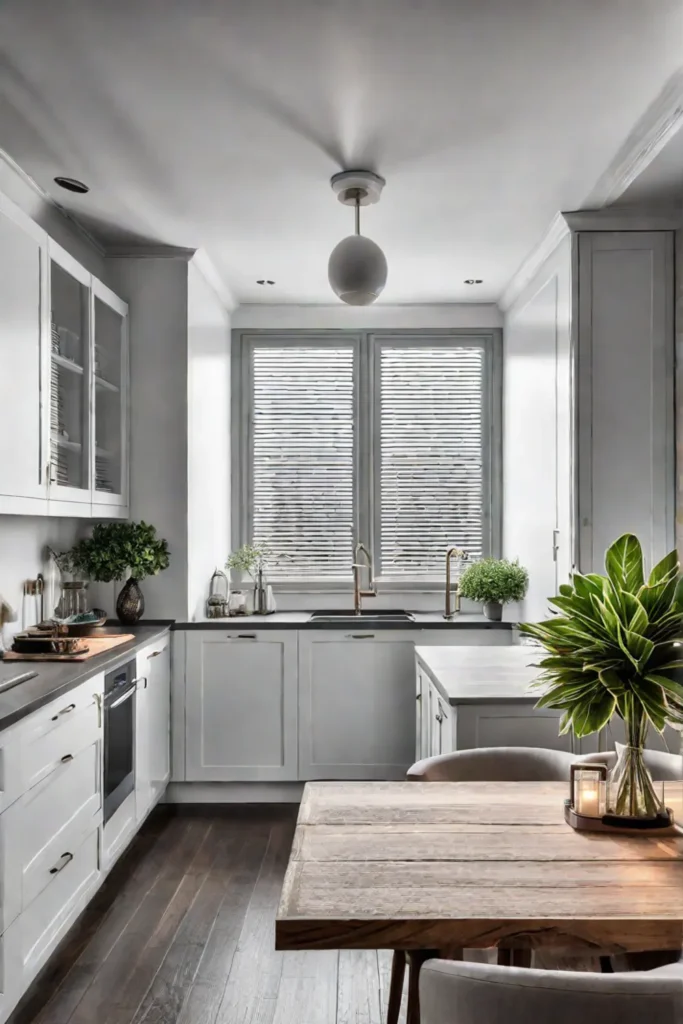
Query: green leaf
[
  {"x": 624, "y": 563},
  {"x": 638, "y": 648},
  {"x": 566, "y": 590},
  {"x": 664, "y": 570},
  {"x": 668, "y": 685}
]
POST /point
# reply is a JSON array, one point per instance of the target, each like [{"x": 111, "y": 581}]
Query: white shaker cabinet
[
  {"x": 356, "y": 704},
  {"x": 23, "y": 481},
  {"x": 240, "y": 706},
  {"x": 152, "y": 724}
]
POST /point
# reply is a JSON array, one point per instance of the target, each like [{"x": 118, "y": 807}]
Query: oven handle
[{"x": 126, "y": 696}]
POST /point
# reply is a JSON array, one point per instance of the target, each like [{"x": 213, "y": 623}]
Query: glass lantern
[{"x": 589, "y": 789}]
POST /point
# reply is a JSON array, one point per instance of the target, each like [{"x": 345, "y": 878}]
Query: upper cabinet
[{"x": 63, "y": 395}]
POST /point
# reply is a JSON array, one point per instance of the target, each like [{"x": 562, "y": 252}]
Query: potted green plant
[
  {"x": 118, "y": 551},
  {"x": 245, "y": 559},
  {"x": 494, "y": 582},
  {"x": 615, "y": 650}
]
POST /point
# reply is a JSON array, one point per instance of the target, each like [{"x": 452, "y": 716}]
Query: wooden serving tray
[{"x": 95, "y": 645}]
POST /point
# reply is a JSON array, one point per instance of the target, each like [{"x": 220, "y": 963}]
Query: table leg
[
  {"x": 514, "y": 958},
  {"x": 398, "y": 970},
  {"x": 416, "y": 958}
]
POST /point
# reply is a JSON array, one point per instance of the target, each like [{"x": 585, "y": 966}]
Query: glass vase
[
  {"x": 631, "y": 790},
  {"x": 130, "y": 604}
]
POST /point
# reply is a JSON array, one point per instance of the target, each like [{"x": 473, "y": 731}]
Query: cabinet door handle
[
  {"x": 439, "y": 717},
  {"x": 140, "y": 679},
  {"x": 360, "y": 636},
  {"x": 67, "y": 758},
  {"x": 65, "y": 859},
  {"x": 51, "y": 475},
  {"x": 155, "y": 654},
  {"x": 97, "y": 697},
  {"x": 64, "y": 711},
  {"x": 242, "y": 636},
  {"x": 418, "y": 697}
]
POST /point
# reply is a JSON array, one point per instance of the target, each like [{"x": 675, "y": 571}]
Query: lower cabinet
[
  {"x": 240, "y": 706},
  {"x": 356, "y": 705},
  {"x": 152, "y": 724}
]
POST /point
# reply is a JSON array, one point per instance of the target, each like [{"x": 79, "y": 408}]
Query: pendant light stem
[{"x": 358, "y": 213}]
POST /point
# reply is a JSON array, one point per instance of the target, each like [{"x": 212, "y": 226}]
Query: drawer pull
[
  {"x": 439, "y": 718},
  {"x": 155, "y": 654},
  {"x": 67, "y": 758},
  {"x": 65, "y": 859},
  {"x": 242, "y": 636},
  {"x": 360, "y": 636},
  {"x": 140, "y": 679},
  {"x": 97, "y": 697},
  {"x": 64, "y": 711}
]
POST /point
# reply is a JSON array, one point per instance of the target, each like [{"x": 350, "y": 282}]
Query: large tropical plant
[{"x": 614, "y": 649}]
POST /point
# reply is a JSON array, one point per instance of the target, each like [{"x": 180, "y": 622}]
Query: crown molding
[
  {"x": 626, "y": 218},
  {"x": 207, "y": 268},
  {"x": 660, "y": 122},
  {"x": 49, "y": 201},
  {"x": 556, "y": 231},
  {"x": 149, "y": 252}
]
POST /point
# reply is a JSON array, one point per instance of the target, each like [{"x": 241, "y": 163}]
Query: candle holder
[{"x": 586, "y": 808}]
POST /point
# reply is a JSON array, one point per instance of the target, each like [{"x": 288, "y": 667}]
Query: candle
[{"x": 589, "y": 792}]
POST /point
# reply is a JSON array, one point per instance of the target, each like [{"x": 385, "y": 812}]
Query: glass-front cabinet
[
  {"x": 110, "y": 373},
  {"x": 86, "y": 393}
]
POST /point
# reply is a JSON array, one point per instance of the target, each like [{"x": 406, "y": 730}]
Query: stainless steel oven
[{"x": 119, "y": 737}]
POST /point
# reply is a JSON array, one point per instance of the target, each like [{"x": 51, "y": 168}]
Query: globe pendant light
[{"x": 357, "y": 269}]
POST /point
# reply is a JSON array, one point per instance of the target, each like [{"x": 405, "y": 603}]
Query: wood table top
[{"x": 409, "y": 865}]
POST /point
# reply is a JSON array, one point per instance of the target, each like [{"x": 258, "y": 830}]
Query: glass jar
[{"x": 74, "y": 599}]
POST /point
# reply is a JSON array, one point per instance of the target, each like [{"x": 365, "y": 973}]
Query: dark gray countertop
[
  {"x": 484, "y": 674},
  {"x": 300, "y": 620},
  {"x": 56, "y": 678}
]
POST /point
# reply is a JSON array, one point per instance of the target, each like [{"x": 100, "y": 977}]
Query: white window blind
[
  {"x": 302, "y": 459},
  {"x": 431, "y": 457}
]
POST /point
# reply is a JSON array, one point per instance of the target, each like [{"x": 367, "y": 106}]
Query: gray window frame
[{"x": 367, "y": 347}]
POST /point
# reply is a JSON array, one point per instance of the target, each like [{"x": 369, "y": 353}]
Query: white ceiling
[{"x": 218, "y": 123}]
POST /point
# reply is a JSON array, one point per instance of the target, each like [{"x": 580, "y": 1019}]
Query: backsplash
[{"x": 23, "y": 540}]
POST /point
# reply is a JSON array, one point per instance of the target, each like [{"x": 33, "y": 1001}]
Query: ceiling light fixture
[
  {"x": 357, "y": 269},
  {"x": 71, "y": 184},
  {"x": 473, "y": 280}
]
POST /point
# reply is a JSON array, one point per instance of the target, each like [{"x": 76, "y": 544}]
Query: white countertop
[{"x": 475, "y": 675}]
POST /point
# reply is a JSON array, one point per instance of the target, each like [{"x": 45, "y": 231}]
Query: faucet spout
[
  {"x": 358, "y": 566},
  {"x": 452, "y": 608}
]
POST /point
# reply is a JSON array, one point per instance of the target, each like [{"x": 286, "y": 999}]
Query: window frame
[{"x": 367, "y": 346}]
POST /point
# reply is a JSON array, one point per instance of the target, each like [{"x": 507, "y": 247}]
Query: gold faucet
[
  {"x": 358, "y": 593},
  {"x": 449, "y": 612}
]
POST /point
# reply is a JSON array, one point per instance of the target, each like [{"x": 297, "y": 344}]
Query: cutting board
[{"x": 95, "y": 644}]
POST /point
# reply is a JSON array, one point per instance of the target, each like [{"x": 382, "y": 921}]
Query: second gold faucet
[{"x": 358, "y": 592}]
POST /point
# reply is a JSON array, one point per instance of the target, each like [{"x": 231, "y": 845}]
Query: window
[{"x": 387, "y": 438}]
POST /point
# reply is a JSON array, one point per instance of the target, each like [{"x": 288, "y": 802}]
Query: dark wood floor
[{"x": 182, "y": 932}]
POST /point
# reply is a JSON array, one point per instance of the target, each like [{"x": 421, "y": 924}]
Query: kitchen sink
[{"x": 348, "y": 617}]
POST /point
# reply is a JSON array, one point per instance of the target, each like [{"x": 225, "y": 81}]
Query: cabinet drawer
[
  {"x": 41, "y": 830},
  {"x": 42, "y": 754},
  {"x": 45, "y": 921},
  {"x": 47, "y": 733}
]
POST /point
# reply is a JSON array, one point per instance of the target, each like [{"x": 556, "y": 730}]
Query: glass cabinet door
[
  {"x": 69, "y": 411},
  {"x": 109, "y": 365}
]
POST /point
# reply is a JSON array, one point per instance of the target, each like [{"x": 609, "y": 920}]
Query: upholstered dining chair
[
  {"x": 484, "y": 764},
  {"x": 465, "y": 993}
]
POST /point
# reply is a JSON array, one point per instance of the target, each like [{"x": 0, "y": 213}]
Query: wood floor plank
[
  {"x": 307, "y": 993},
  {"x": 359, "y": 995},
  {"x": 384, "y": 959},
  {"x": 100, "y": 1000},
  {"x": 204, "y": 997},
  {"x": 251, "y": 992}
]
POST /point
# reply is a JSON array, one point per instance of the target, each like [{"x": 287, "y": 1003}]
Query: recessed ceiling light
[
  {"x": 71, "y": 184},
  {"x": 473, "y": 280},
  {"x": 265, "y": 280}
]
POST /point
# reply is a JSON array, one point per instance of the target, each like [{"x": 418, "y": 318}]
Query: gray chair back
[
  {"x": 662, "y": 766},
  {"x": 465, "y": 993},
  {"x": 495, "y": 764}
]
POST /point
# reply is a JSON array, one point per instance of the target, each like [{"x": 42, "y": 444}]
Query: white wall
[
  {"x": 537, "y": 431},
  {"x": 156, "y": 290},
  {"x": 23, "y": 540},
  {"x": 208, "y": 437},
  {"x": 366, "y": 318}
]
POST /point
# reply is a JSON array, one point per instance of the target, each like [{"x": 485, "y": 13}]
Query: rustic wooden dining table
[{"x": 441, "y": 865}]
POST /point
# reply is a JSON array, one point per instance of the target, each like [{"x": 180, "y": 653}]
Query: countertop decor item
[
  {"x": 357, "y": 268},
  {"x": 494, "y": 582},
  {"x": 217, "y": 601},
  {"x": 118, "y": 550},
  {"x": 615, "y": 650}
]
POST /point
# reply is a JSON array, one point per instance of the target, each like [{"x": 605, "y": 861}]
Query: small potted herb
[
  {"x": 249, "y": 558},
  {"x": 119, "y": 550},
  {"x": 494, "y": 582}
]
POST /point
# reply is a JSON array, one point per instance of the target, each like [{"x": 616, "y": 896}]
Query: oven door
[{"x": 119, "y": 747}]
